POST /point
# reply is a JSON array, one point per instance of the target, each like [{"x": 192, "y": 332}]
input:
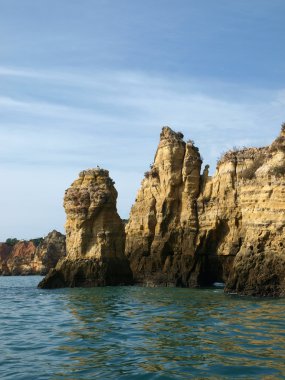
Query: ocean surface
[{"x": 137, "y": 333}]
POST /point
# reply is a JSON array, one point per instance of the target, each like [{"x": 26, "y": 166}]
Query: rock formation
[
  {"x": 163, "y": 224},
  {"x": 95, "y": 236},
  {"x": 29, "y": 257},
  {"x": 242, "y": 219},
  {"x": 50, "y": 251},
  {"x": 5, "y": 250},
  {"x": 190, "y": 230},
  {"x": 185, "y": 228}
]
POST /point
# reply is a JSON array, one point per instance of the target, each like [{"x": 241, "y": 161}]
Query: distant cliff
[{"x": 32, "y": 257}]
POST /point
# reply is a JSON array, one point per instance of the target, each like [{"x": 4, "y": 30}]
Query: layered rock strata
[
  {"x": 163, "y": 225},
  {"x": 34, "y": 257},
  {"x": 185, "y": 228},
  {"x": 95, "y": 236},
  {"x": 242, "y": 220},
  {"x": 188, "y": 229}
]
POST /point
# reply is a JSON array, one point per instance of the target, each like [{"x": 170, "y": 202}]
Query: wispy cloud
[{"x": 55, "y": 124}]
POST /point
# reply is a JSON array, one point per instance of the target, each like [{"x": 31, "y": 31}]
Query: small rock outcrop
[
  {"x": 95, "y": 237},
  {"x": 33, "y": 257},
  {"x": 163, "y": 224},
  {"x": 50, "y": 251}
]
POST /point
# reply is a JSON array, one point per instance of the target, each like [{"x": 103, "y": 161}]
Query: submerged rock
[{"x": 95, "y": 237}]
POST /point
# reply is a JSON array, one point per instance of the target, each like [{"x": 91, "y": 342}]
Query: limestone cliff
[
  {"x": 32, "y": 257},
  {"x": 187, "y": 229},
  {"x": 95, "y": 236},
  {"x": 163, "y": 224},
  {"x": 242, "y": 221}
]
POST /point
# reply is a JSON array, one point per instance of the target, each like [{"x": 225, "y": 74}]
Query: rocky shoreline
[{"x": 186, "y": 228}]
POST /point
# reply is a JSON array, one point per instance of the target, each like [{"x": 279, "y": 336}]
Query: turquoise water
[{"x": 137, "y": 333}]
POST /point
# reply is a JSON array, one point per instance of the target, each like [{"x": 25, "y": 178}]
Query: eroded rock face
[
  {"x": 242, "y": 221},
  {"x": 163, "y": 224},
  {"x": 28, "y": 258},
  {"x": 95, "y": 236},
  {"x": 50, "y": 251},
  {"x": 187, "y": 229},
  {"x": 21, "y": 259}
]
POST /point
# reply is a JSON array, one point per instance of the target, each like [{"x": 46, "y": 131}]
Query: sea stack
[
  {"x": 95, "y": 236},
  {"x": 163, "y": 224}
]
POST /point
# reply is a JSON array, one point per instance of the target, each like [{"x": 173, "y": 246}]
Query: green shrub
[
  {"x": 249, "y": 173},
  {"x": 11, "y": 241}
]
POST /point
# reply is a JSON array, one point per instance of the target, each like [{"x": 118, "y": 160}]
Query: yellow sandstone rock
[
  {"x": 242, "y": 221},
  {"x": 185, "y": 228},
  {"x": 160, "y": 235},
  {"x": 95, "y": 236}
]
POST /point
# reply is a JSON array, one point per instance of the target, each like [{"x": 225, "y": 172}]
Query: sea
[{"x": 137, "y": 333}]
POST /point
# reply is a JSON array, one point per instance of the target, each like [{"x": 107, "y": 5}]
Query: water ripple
[{"x": 137, "y": 333}]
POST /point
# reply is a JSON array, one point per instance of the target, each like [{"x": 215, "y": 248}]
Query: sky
[{"x": 91, "y": 82}]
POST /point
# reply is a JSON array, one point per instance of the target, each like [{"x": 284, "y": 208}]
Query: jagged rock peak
[
  {"x": 168, "y": 134},
  {"x": 163, "y": 221}
]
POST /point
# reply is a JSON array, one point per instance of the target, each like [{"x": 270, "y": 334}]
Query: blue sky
[{"x": 86, "y": 83}]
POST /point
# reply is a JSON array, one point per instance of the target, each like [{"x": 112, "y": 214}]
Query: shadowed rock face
[
  {"x": 95, "y": 236},
  {"x": 50, "y": 251},
  {"x": 163, "y": 224},
  {"x": 28, "y": 258}
]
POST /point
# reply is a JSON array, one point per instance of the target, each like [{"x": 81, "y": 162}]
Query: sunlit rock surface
[{"x": 95, "y": 236}]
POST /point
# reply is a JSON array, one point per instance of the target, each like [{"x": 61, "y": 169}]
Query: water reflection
[{"x": 135, "y": 331}]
